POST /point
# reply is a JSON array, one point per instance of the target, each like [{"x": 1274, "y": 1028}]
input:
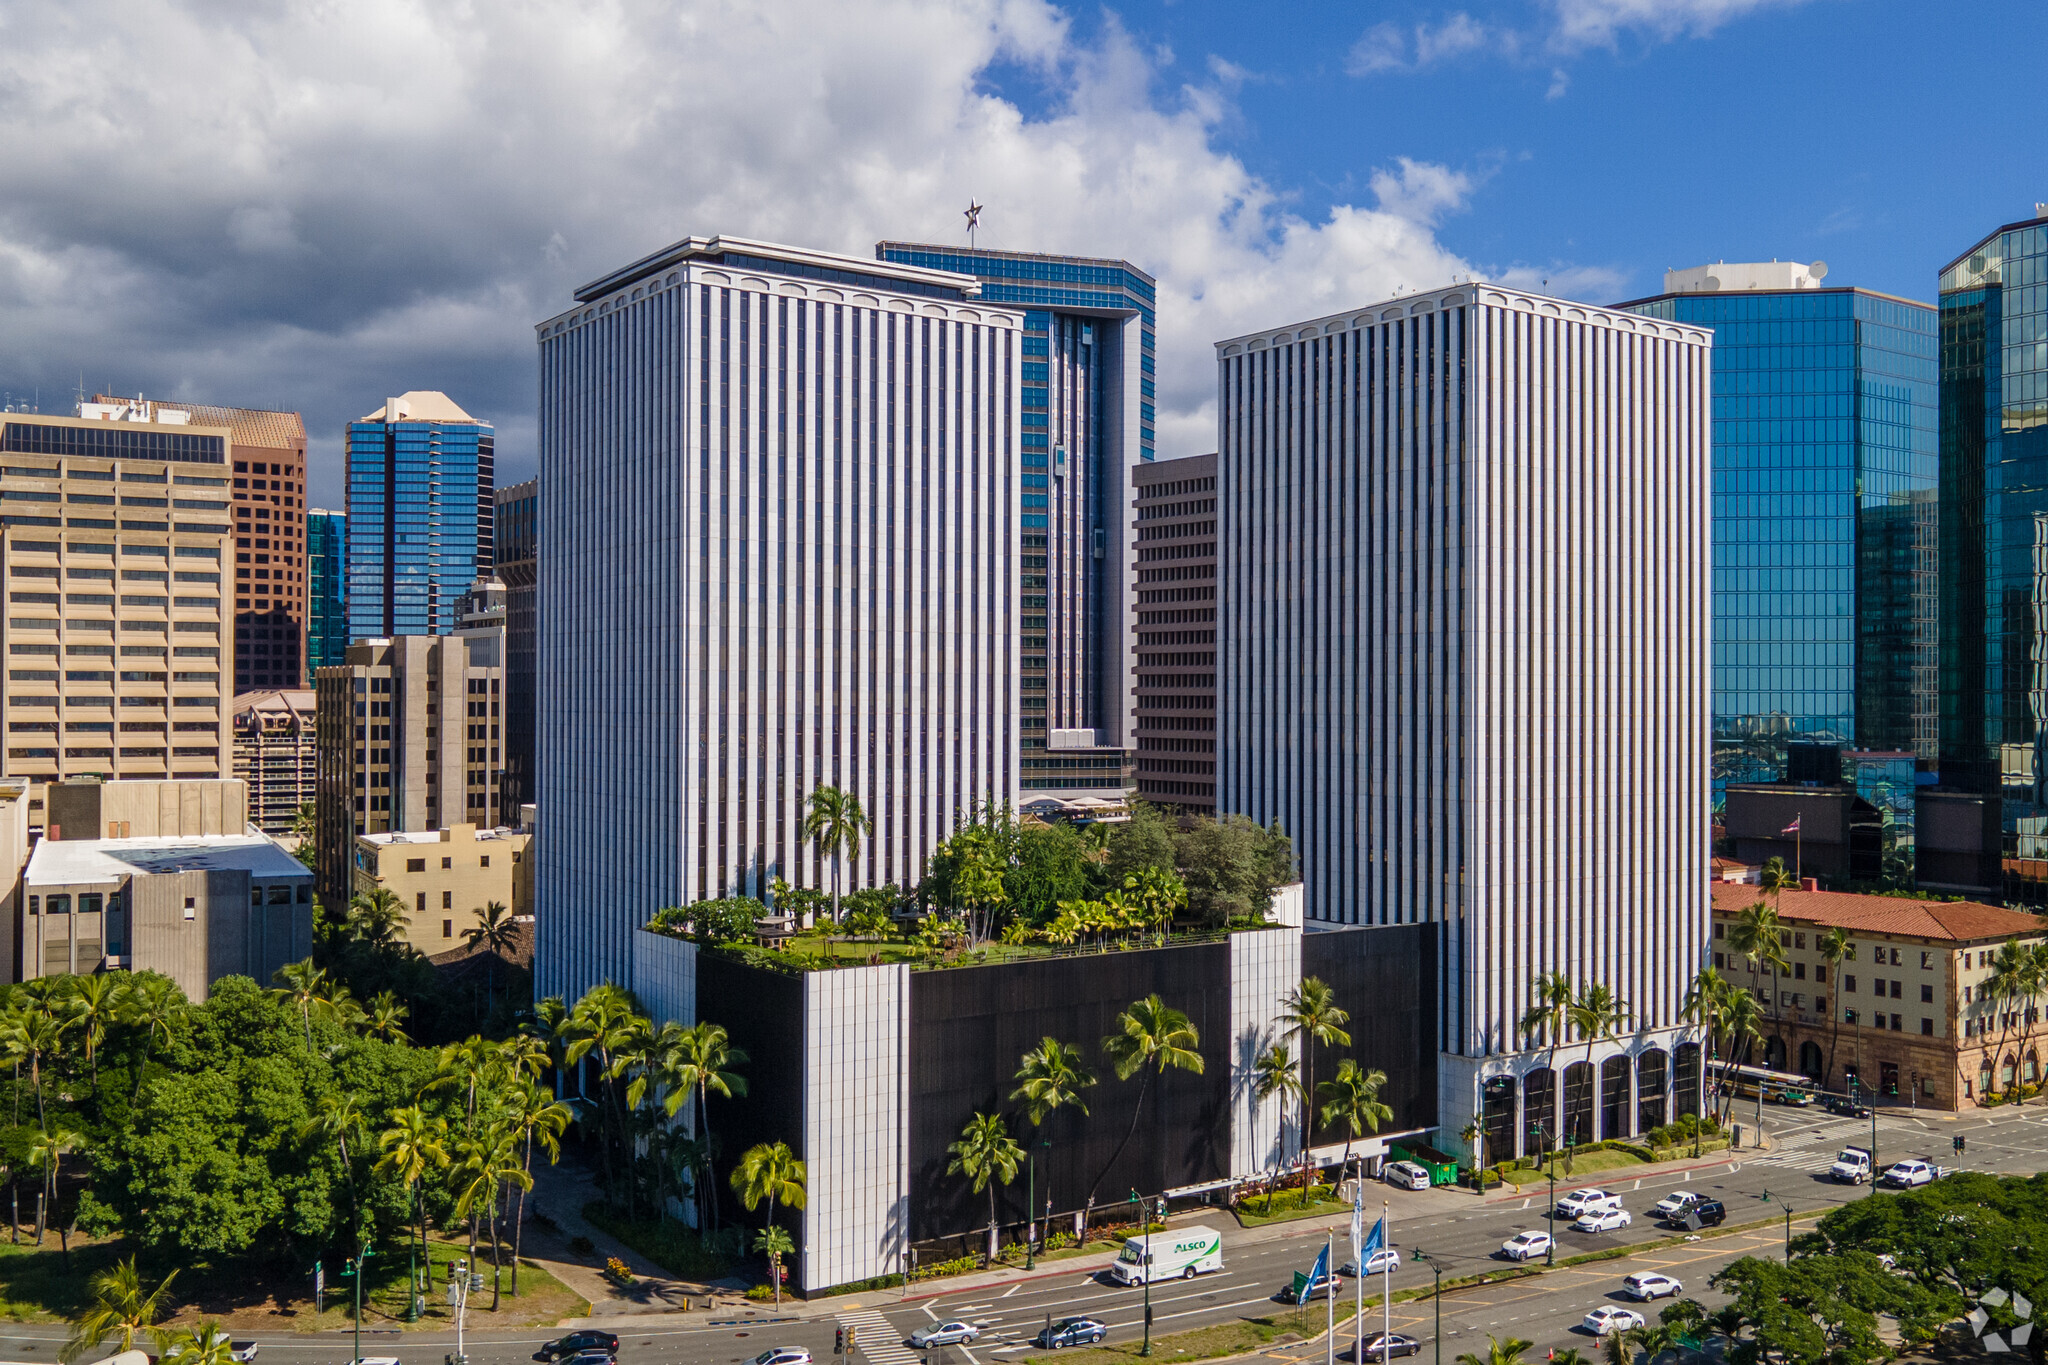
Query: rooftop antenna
[{"x": 973, "y": 216}]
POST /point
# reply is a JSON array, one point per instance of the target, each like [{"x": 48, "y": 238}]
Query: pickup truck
[
  {"x": 1904, "y": 1175},
  {"x": 1852, "y": 1166}
]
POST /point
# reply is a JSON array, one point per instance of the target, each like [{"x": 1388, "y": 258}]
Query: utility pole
[
  {"x": 1438, "y": 1266},
  {"x": 1138, "y": 1204},
  {"x": 355, "y": 1268}
]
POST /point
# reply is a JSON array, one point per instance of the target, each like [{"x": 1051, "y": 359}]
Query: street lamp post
[
  {"x": 1537, "y": 1131},
  {"x": 1438, "y": 1266},
  {"x": 1146, "y": 1267},
  {"x": 355, "y": 1268}
]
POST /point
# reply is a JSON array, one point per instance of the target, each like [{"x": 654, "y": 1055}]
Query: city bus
[{"x": 1778, "y": 1087}]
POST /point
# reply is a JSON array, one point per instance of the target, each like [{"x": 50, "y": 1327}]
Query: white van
[{"x": 1183, "y": 1252}]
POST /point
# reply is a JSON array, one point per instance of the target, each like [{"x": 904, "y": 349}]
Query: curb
[{"x": 1728, "y": 1158}]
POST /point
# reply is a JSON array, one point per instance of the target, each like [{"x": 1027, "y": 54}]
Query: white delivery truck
[
  {"x": 1183, "y": 1252},
  {"x": 1852, "y": 1166}
]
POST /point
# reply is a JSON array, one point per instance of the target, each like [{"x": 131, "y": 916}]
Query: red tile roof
[{"x": 1945, "y": 921}]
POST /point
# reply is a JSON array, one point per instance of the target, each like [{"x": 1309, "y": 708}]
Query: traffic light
[
  {"x": 1959, "y": 1144},
  {"x": 839, "y": 1342},
  {"x": 852, "y": 1338}
]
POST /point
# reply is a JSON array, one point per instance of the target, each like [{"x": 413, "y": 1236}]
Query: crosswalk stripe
[{"x": 878, "y": 1341}]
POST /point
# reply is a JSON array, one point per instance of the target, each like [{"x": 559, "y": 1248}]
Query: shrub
[
  {"x": 760, "y": 1292},
  {"x": 582, "y": 1246}
]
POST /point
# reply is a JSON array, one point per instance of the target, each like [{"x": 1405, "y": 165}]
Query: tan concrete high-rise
[
  {"x": 1175, "y": 639},
  {"x": 410, "y": 735},
  {"x": 276, "y": 754},
  {"x": 269, "y": 464},
  {"x": 114, "y": 534}
]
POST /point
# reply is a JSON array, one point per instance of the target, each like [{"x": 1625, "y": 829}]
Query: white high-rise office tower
[
  {"x": 1462, "y": 651},
  {"x": 780, "y": 501}
]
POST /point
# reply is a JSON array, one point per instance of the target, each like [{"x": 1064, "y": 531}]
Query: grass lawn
[
  {"x": 1284, "y": 1206},
  {"x": 35, "y": 1287},
  {"x": 1601, "y": 1159}
]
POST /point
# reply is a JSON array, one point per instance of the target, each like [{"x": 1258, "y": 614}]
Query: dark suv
[
  {"x": 577, "y": 1342},
  {"x": 1071, "y": 1332},
  {"x": 1846, "y": 1107},
  {"x": 1710, "y": 1212}
]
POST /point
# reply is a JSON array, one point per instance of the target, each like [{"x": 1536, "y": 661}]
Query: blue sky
[
  {"x": 1879, "y": 136},
  {"x": 314, "y": 207}
]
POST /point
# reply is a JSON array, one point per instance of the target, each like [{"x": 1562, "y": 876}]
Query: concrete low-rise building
[
  {"x": 195, "y": 909},
  {"x": 445, "y": 877},
  {"x": 1904, "y": 1011}
]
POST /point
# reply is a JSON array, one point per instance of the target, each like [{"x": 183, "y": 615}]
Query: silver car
[{"x": 943, "y": 1334}]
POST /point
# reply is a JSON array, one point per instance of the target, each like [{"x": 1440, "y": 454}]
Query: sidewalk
[{"x": 562, "y": 1190}]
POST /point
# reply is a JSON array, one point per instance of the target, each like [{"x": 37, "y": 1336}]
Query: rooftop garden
[{"x": 1003, "y": 889}]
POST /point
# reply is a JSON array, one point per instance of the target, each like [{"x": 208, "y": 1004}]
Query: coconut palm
[
  {"x": 834, "y": 821},
  {"x": 1352, "y": 1098},
  {"x": 41, "y": 1037},
  {"x": 496, "y": 932},
  {"x": 97, "y": 1003},
  {"x": 1706, "y": 1007},
  {"x": 386, "y": 1017},
  {"x": 986, "y": 1154},
  {"x": 1544, "y": 1022},
  {"x": 205, "y": 1344},
  {"x": 600, "y": 1024},
  {"x": 1499, "y": 1351},
  {"x": 1758, "y": 936},
  {"x": 2031, "y": 980},
  {"x": 46, "y": 1154},
  {"x": 1835, "y": 948},
  {"x": 1051, "y": 1078},
  {"x": 1742, "y": 1020},
  {"x": 1597, "y": 1014},
  {"x": 697, "y": 1063},
  {"x": 309, "y": 989},
  {"x": 378, "y": 915},
  {"x": 534, "y": 1116},
  {"x": 774, "y": 1243},
  {"x": 414, "y": 1145},
  {"x": 486, "y": 1164},
  {"x": 1151, "y": 1037},
  {"x": 772, "y": 1172},
  {"x": 119, "y": 1309},
  {"x": 1276, "y": 1074},
  {"x": 154, "y": 1000},
  {"x": 1310, "y": 1013},
  {"x": 340, "y": 1120}
]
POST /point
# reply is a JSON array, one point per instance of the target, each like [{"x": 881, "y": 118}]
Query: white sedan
[
  {"x": 1650, "y": 1284},
  {"x": 1606, "y": 1320},
  {"x": 1602, "y": 1220},
  {"x": 1523, "y": 1245},
  {"x": 943, "y": 1334}
]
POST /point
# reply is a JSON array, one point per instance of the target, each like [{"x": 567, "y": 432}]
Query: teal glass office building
[
  {"x": 326, "y": 589},
  {"x": 1994, "y": 540},
  {"x": 1089, "y": 403},
  {"x": 1824, "y": 534},
  {"x": 421, "y": 500}
]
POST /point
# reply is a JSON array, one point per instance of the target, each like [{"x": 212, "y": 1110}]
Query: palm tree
[
  {"x": 205, "y": 1344},
  {"x": 986, "y": 1153},
  {"x": 309, "y": 989},
  {"x": 701, "y": 1062},
  {"x": 1311, "y": 1014},
  {"x": 119, "y": 1309},
  {"x": 834, "y": 821},
  {"x": 1051, "y": 1078},
  {"x": 601, "y": 1023},
  {"x": 1544, "y": 1021},
  {"x": 535, "y": 1115},
  {"x": 1275, "y": 1073},
  {"x": 42, "y": 1036},
  {"x": 774, "y": 1243},
  {"x": 387, "y": 1017},
  {"x": 2032, "y": 980},
  {"x": 2008, "y": 969},
  {"x": 1598, "y": 1014},
  {"x": 1498, "y": 1352},
  {"x": 1741, "y": 1018},
  {"x": 98, "y": 1002},
  {"x": 378, "y": 915},
  {"x": 489, "y": 1164},
  {"x": 772, "y": 1172},
  {"x": 1151, "y": 1036},
  {"x": 154, "y": 1001},
  {"x": 497, "y": 932},
  {"x": 1706, "y": 1006},
  {"x": 46, "y": 1154},
  {"x": 414, "y": 1145},
  {"x": 341, "y": 1119},
  {"x": 1353, "y": 1099},
  {"x": 1758, "y": 936},
  {"x": 1835, "y": 947},
  {"x": 472, "y": 1061}
]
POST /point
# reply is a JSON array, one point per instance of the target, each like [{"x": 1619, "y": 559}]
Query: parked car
[
  {"x": 1406, "y": 1175},
  {"x": 1846, "y": 1107},
  {"x": 1070, "y": 1332},
  {"x": 1602, "y": 1220},
  {"x": 1524, "y": 1245},
  {"x": 1672, "y": 1207},
  {"x": 242, "y": 1352},
  {"x": 1903, "y": 1175},
  {"x": 1386, "y": 1258},
  {"x": 1710, "y": 1212},
  {"x": 579, "y": 1341},
  {"x": 1607, "y": 1318},
  {"x": 592, "y": 1358},
  {"x": 782, "y": 1355},
  {"x": 943, "y": 1334},
  {"x": 1387, "y": 1345},
  {"x": 1646, "y": 1285},
  {"x": 1587, "y": 1201}
]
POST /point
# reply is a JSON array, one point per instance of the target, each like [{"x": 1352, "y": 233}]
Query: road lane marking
[{"x": 1013, "y": 1289}]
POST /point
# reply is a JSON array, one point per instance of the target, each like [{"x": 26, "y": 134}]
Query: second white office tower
[
  {"x": 779, "y": 550},
  {"x": 1463, "y": 658}
]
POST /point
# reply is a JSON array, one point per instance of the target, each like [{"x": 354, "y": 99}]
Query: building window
[
  {"x": 447, "y": 928},
  {"x": 1895, "y": 957},
  {"x": 1898, "y": 1024},
  {"x": 1720, "y": 931},
  {"x": 484, "y": 861},
  {"x": 447, "y": 863},
  {"x": 447, "y": 900},
  {"x": 1799, "y": 971},
  {"x": 1820, "y": 973},
  {"x": 420, "y": 902},
  {"x": 415, "y": 864},
  {"x": 1849, "y": 983},
  {"x": 191, "y": 908},
  {"x": 1898, "y": 989},
  {"x": 1799, "y": 941},
  {"x": 1926, "y": 962},
  {"x": 1719, "y": 963},
  {"x": 1926, "y": 995},
  {"x": 1926, "y": 1027}
]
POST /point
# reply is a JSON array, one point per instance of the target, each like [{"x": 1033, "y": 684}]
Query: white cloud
[
  {"x": 315, "y": 205},
  {"x": 1599, "y": 23},
  {"x": 1390, "y": 47}
]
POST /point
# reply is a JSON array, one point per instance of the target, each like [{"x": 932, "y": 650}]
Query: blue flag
[
  {"x": 1321, "y": 1270},
  {"x": 1374, "y": 1240}
]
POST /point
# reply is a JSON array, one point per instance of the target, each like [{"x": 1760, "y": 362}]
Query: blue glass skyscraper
[
  {"x": 420, "y": 506},
  {"x": 1089, "y": 404},
  {"x": 326, "y": 589},
  {"x": 1824, "y": 525},
  {"x": 1994, "y": 540}
]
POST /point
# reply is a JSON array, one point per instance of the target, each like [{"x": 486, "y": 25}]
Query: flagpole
[
  {"x": 1330, "y": 1299},
  {"x": 1358, "y": 1250},
  {"x": 1386, "y": 1283}
]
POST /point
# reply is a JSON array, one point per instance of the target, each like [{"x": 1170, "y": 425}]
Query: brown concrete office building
[
  {"x": 1176, "y": 631},
  {"x": 114, "y": 532},
  {"x": 276, "y": 755},
  {"x": 410, "y": 735},
  {"x": 270, "y": 537}
]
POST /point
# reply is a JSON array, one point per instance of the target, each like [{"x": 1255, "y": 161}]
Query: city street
[{"x": 1458, "y": 1229}]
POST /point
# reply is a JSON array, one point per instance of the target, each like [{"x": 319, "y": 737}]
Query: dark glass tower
[
  {"x": 1994, "y": 539},
  {"x": 517, "y": 533},
  {"x": 420, "y": 505},
  {"x": 326, "y": 589},
  {"x": 1088, "y": 406},
  {"x": 1824, "y": 527}
]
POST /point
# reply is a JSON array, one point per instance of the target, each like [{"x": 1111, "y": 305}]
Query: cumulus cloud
[
  {"x": 1599, "y": 23},
  {"x": 1392, "y": 47},
  {"x": 315, "y": 205}
]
